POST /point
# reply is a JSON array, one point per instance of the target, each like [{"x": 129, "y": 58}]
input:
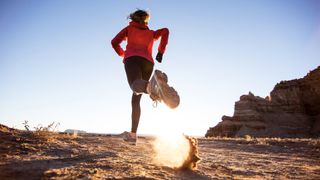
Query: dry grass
[{"x": 43, "y": 133}]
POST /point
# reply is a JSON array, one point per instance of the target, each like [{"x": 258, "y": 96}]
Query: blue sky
[{"x": 57, "y": 64}]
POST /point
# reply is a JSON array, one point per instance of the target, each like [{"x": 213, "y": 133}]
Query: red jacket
[{"x": 139, "y": 41}]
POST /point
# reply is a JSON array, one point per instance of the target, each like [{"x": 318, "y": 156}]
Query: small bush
[{"x": 43, "y": 133}]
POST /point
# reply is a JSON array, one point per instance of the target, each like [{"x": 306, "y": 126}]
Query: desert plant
[
  {"x": 26, "y": 125},
  {"x": 50, "y": 127},
  {"x": 46, "y": 133},
  {"x": 43, "y": 133}
]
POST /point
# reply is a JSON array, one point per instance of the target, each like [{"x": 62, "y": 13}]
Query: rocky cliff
[{"x": 291, "y": 110}]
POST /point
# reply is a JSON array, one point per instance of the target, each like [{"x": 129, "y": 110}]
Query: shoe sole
[
  {"x": 130, "y": 142},
  {"x": 125, "y": 137},
  {"x": 168, "y": 94}
]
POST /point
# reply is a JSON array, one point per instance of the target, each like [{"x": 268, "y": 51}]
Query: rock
[
  {"x": 226, "y": 118},
  {"x": 6, "y": 129},
  {"x": 74, "y": 131},
  {"x": 316, "y": 126},
  {"x": 291, "y": 110}
]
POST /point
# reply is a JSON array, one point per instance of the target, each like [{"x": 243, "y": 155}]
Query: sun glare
[
  {"x": 171, "y": 150},
  {"x": 170, "y": 145},
  {"x": 164, "y": 121}
]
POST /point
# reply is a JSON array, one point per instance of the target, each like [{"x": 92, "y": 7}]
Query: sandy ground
[{"x": 92, "y": 156}]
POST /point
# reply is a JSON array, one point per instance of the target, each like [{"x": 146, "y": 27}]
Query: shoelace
[
  {"x": 156, "y": 98},
  {"x": 155, "y": 103}
]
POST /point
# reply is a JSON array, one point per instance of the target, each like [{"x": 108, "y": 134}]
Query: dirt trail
[{"x": 108, "y": 157}]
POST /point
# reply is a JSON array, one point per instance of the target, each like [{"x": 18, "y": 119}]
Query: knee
[
  {"x": 135, "y": 86},
  {"x": 139, "y": 86}
]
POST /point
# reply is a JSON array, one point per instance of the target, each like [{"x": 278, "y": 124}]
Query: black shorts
[{"x": 138, "y": 70}]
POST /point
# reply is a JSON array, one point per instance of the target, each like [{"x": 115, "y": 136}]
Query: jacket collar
[{"x": 137, "y": 25}]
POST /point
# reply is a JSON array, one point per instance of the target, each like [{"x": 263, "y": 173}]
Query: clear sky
[{"x": 57, "y": 63}]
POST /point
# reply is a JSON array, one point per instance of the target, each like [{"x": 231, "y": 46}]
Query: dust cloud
[{"x": 176, "y": 151}]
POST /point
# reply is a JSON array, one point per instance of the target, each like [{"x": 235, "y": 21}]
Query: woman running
[{"x": 138, "y": 61}]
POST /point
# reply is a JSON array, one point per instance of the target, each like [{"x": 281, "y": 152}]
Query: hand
[{"x": 159, "y": 57}]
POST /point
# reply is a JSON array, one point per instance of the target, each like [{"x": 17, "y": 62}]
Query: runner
[{"x": 138, "y": 61}]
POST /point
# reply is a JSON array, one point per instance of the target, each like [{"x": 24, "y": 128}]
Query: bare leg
[{"x": 135, "y": 115}]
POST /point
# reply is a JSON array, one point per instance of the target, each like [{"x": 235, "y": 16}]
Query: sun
[
  {"x": 171, "y": 150},
  {"x": 163, "y": 121},
  {"x": 171, "y": 147}
]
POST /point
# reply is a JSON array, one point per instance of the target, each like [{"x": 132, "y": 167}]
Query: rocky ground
[{"x": 26, "y": 155}]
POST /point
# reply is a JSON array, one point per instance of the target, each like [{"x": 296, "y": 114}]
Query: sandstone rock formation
[
  {"x": 74, "y": 131},
  {"x": 291, "y": 110}
]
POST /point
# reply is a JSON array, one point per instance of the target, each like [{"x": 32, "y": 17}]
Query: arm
[
  {"x": 116, "y": 41},
  {"x": 164, "y": 33}
]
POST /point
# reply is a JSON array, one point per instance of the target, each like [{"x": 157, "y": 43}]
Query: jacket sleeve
[
  {"x": 116, "y": 41},
  {"x": 164, "y": 34}
]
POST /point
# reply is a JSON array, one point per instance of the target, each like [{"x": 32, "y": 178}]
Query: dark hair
[{"x": 139, "y": 16}]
